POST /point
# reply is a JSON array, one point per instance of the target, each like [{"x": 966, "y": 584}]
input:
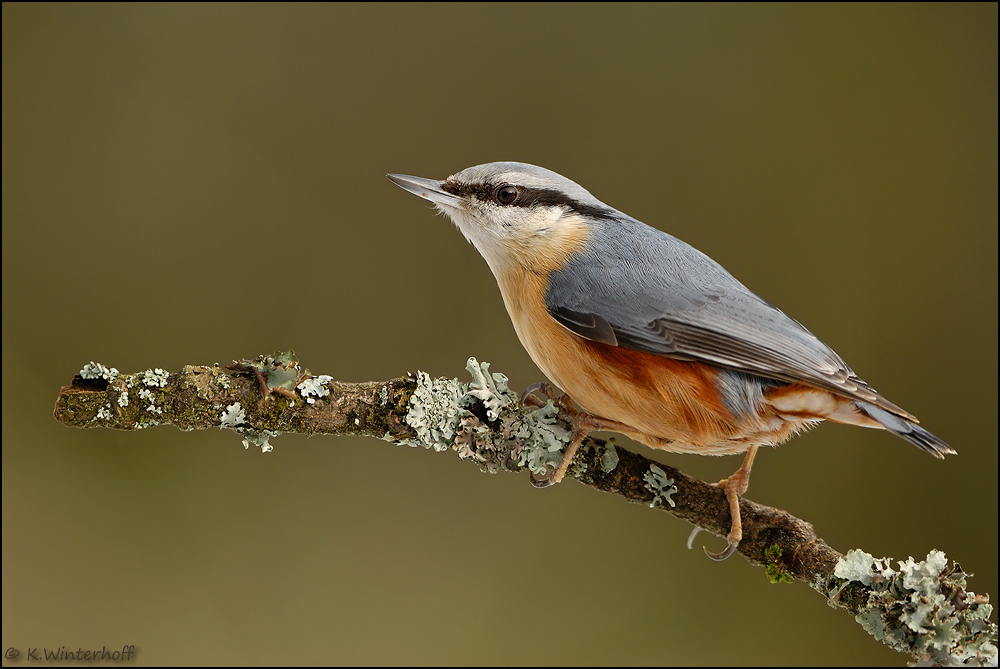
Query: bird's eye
[{"x": 505, "y": 195}]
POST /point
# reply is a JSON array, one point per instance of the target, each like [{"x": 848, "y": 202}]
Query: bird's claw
[
  {"x": 544, "y": 482},
  {"x": 734, "y": 486},
  {"x": 530, "y": 399},
  {"x": 718, "y": 557}
]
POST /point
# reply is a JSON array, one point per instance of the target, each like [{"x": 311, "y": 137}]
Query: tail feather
[{"x": 912, "y": 432}]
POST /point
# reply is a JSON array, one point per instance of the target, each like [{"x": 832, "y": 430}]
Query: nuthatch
[{"x": 649, "y": 336}]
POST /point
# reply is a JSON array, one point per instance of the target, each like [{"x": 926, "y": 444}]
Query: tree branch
[{"x": 923, "y": 608}]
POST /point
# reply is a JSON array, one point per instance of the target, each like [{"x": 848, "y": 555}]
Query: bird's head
[{"x": 514, "y": 212}]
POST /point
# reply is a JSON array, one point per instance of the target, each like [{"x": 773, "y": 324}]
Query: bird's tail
[{"x": 908, "y": 430}]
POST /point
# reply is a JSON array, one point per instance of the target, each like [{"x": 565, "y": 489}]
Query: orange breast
[{"x": 664, "y": 400}]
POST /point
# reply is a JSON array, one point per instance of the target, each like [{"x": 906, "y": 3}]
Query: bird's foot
[
  {"x": 581, "y": 422},
  {"x": 530, "y": 398},
  {"x": 734, "y": 486},
  {"x": 557, "y": 474}
]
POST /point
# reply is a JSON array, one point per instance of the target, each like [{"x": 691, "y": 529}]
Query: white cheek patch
[
  {"x": 549, "y": 220},
  {"x": 538, "y": 238}
]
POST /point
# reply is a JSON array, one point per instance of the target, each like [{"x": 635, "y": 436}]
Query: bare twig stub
[{"x": 923, "y": 608}]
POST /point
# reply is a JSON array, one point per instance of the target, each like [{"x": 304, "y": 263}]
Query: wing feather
[{"x": 640, "y": 288}]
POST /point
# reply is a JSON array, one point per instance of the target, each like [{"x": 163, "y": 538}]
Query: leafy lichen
[
  {"x": 447, "y": 413},
  {"x": 544, "y": 437},
  {"x": 924, "y": 608},
  {"x": 155, "y": 378},
  {"x": 662, "y": 487},
  {"x": 279, "y": 373},
  {"x": 259, "y": 438},
  {"x": 95, "y": 370},
  {"x": 435, "y": 411},
  {"x": 314, "y": 387},
  {"x": 609, "y": 458},
  {"x": 233, "y": 416}
]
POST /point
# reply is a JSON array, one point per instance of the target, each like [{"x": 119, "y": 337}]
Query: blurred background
[{"x": 192, "y": 184}]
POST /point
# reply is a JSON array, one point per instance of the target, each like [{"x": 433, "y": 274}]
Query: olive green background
[{"x": 189, "y": 184}]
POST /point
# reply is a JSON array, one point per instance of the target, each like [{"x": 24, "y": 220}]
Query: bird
[{"x": 648, "y": 336}]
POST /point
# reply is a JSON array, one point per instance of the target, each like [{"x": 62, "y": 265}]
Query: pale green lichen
[
  {"x": 155, "y": 378},
  {"x": 314, "y": 387},
  {"x": 145, "y": 394},
  {"x": 233, "y": 416},
  {"x": 859, "y": 566},
  {"x": 259, "y": 438},
  {"x": 95, "y": 370},
  {"x": 544, "y": 437},
  {"x": 490, "y": 389},
  {"x": 662, "y": 487},
  {"x": 436, "y": 411},
  {"x": 924, "y": 609},
  {"x": 281, "y": 370},
  {"x": 441, "y": 413},
  {"x": 284, "y": 371},
  {"x": 609, "y": 458}
]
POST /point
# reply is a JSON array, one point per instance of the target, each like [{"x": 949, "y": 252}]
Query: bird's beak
[{"x": 429, "y": 189}]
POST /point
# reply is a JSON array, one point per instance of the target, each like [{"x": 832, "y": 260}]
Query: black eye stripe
[
  {"x": 528, "y": 197},
  {"x": 478, "y": 191}
]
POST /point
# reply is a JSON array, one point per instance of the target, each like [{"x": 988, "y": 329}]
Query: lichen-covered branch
[{"x": 923, "y": 608}]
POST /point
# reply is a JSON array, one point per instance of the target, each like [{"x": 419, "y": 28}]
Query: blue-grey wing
[{"x": 640, "y": 288}]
